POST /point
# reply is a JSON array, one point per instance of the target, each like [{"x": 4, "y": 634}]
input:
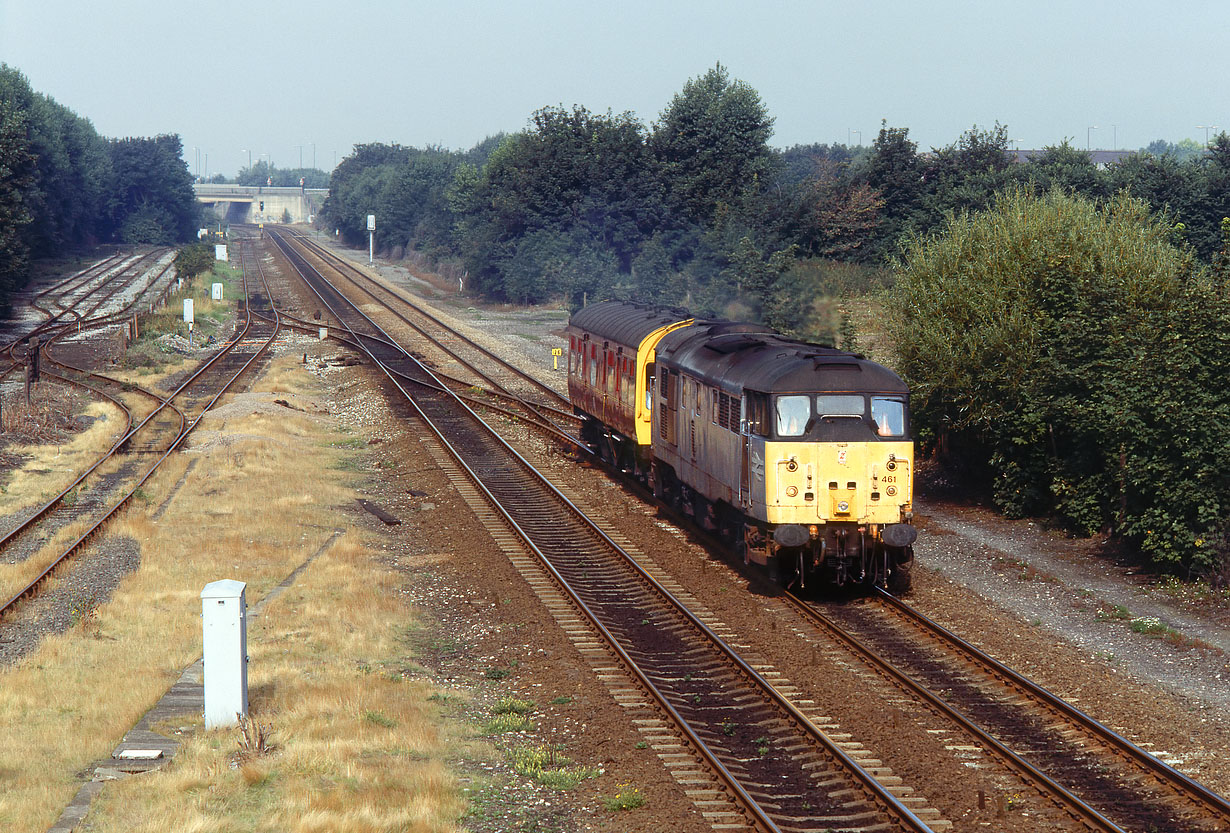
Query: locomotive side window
[
  {"x": 593, "y": 365},
  {"x": 889, "y": 416},
  {"x": 726, "y": 411},
  {"x": 793, "y": 412}
]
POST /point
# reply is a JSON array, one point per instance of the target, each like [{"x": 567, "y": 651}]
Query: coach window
[
  {"x": 889, "y": 416},
  {"x": 793, "y": 412}
]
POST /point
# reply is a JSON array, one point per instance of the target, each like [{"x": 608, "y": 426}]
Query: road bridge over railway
[{"x": 261, "y": 204}]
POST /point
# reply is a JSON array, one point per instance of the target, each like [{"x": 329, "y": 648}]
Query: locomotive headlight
[{"x": 843, "y": 506}]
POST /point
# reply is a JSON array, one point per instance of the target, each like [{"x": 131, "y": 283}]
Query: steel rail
[
  {"x": 327, "y": 256},
  {"x": 1066, "y": 800},
  {"x": 533, "y": 413},
  {"x": 1190, "y": 789}
]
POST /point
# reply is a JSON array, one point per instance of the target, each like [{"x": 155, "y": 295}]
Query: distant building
[{"x": 1101, "y": 158}]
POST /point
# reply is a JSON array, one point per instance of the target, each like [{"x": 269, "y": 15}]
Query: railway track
[
  {"x": 522, "y": 395},
  {"x": 1098, "y": 777},
  {"x": 134, "y": 458},
  {"x": 768, "y": 751}
]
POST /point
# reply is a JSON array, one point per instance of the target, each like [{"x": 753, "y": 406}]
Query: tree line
[
  {"x": 697, "y": 208},
  {"x": 64, "y": 187}
]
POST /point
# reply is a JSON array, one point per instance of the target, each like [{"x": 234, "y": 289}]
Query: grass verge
[{"x": 354, "y": 750}]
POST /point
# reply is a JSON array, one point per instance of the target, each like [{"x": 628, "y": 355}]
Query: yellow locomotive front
[
  {"x": 800, "y": 454},
  {"x": 831, "y": 480}
]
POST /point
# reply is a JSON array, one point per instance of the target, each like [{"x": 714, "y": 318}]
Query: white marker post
[
  {"x": 188, "y": 319},
  {"x": 371, "y": 234}
]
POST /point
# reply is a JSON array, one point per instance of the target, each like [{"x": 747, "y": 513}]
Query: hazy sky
[{"x": 267, "y": 76}]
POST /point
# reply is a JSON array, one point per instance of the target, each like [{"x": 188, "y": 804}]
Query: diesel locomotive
[{"x": 798, "y": 455}]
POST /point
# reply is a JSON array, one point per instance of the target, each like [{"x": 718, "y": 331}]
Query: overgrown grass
[
  {"x": 355, "y": 750},
  {"x": 47, "y": 467},
  {"x": 508, "y": 722},
  {"x": 550, "y": 767},
  {"x": 145, "y": 353},
  {"x": 627, "y": 797}
]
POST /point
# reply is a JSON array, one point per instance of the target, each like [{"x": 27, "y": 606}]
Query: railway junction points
[{"x": 457, "y": 665}]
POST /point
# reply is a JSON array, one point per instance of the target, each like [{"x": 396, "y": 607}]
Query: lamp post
[
  {"x": 249, "y": 159},
  {"x": 859, "y": 133},
  {"x": 1089, "y": 130},
  {"x": 313, "y": 156},
  {"x": 1206, "y": 129},
  {"x": 300, "y": 156}
]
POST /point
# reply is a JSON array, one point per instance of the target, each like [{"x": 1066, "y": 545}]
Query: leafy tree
[
  {"x": 582, "y": 176},
  {"x": 1214, "y": 205},
  {"x": 1186, "y": 150},
  {"x": 802, "y": 163},
  {"x": 349, "y": 201},
  {"x": 965, "y": 176},
  {"x": 833, "y": 217},
  {"x": 711, "y": 144},
  {"x": 16, "y": 176},
  {"x": 263, "y": 173},
  {"x": 152, "y": 197},
  {"x": 1162, "y": 181},
  {"x": 193, "y": 260},
  {"x": 1074, "y": 357},
  {"x": 1063, "y": 166},
  {"x": 895, "y": 172}
]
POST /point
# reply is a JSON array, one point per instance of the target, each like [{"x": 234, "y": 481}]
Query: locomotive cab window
[
  {"x": 840, "y": 405},
  {"x": 888, "y": 413},
  {"x": 793, "y": 414}
]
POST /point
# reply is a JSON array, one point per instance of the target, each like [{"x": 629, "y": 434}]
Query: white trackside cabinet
[{"x": 224, "y": 625}]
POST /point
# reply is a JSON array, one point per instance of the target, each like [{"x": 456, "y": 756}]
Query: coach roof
[
  {"x": 737, "y": 356},
  {"x": 624, "y": 323}
]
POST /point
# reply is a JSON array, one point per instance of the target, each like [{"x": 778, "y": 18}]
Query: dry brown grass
[
  {"x": 253, "y": 511},
  {"x": 46, "y": 468}
]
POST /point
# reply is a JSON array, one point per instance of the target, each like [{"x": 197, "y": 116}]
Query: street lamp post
[
  {"x": 1088, "y": 131},
  {"x": 313, "y": 156},
  {"x": 1206, "y": 129},
  {"x": 198, "y": 162},
  {"x": 300, "y": 156},
  {"x": 859, "y": 133},
  {"x": 249, "y": 159}
]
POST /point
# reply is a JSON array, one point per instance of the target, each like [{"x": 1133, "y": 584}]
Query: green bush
[{"x": 1073, "y": 357}]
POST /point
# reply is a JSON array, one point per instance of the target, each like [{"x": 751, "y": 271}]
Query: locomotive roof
[
  {"x": 623, "y": 322},
  {"x": 737, "y": 356}
]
